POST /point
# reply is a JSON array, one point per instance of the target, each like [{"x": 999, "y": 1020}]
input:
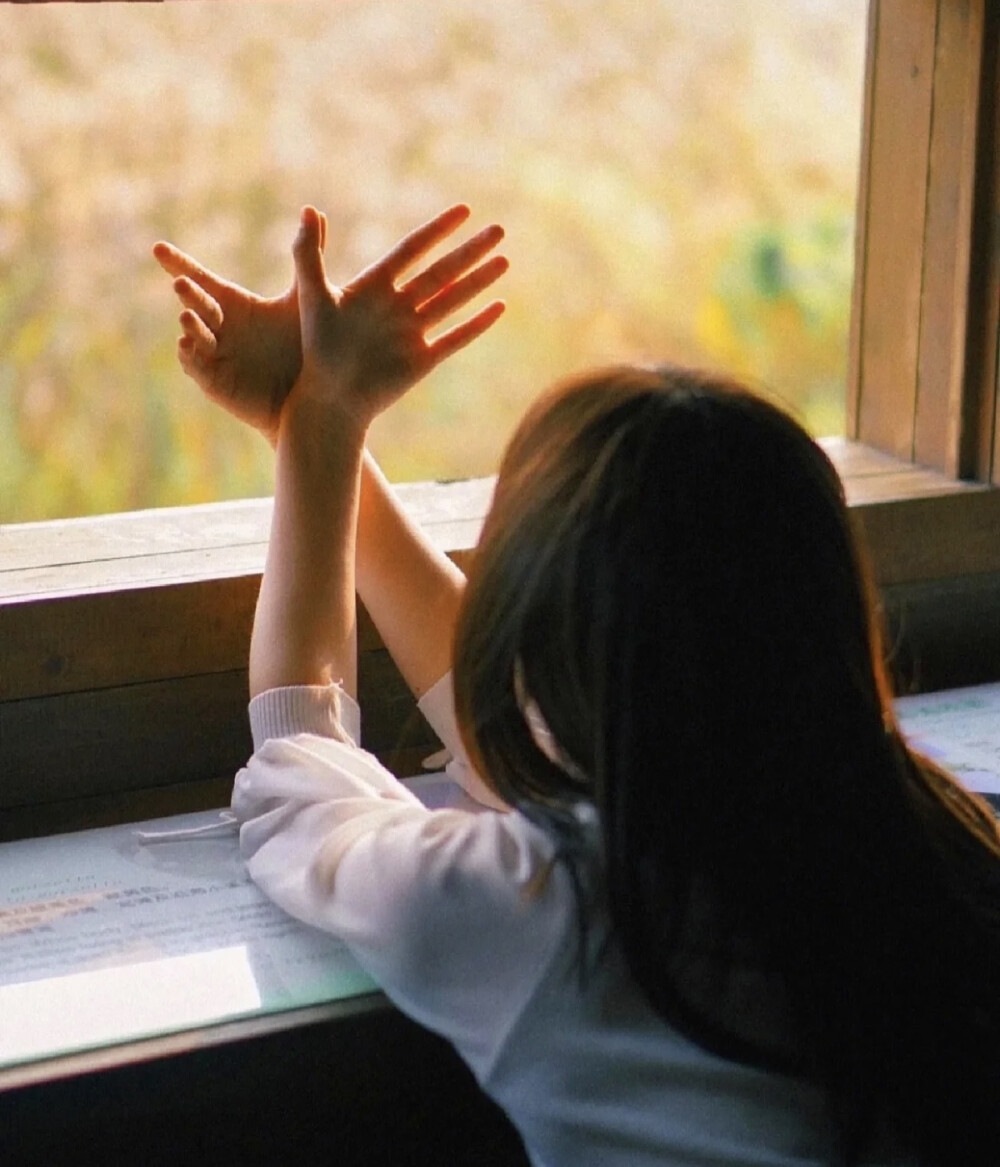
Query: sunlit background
[{"x": 677, "y": 179}]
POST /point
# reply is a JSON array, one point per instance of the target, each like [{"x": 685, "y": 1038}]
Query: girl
[{"x": 720, "y": 912}]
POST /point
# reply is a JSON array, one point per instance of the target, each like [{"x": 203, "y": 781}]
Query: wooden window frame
[
  {"x": 922, "y": 381},
  {"x": 123, "y": 639}
]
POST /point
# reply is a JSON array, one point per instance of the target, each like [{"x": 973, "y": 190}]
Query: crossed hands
[{"x": 356, "y": 348}]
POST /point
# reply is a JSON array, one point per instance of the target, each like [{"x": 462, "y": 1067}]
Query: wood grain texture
[
  {"x": 98, "y": 639},
  {"x": 923, "y": 355},
  {"x": 902, "y": 486},
  {"x": 852, "y": 419},
  {"x": 945, "y": 311},
  {"x": 131, "y": 534},
  {"x": 106, "y": 741},
  {"x": 119, "y": 599},
  {"x": 983, "y": 454},
  {"x": 120, "y": 702},
  {"x": 103, "y": 810},
  {"x": 944, "y": 634},
  {"x": 93, "y": 750},
  {"x": 933, "y": 537},
  {"x": 855, "y": 460},
  {"x": 887, "y": 334},
  {"x": 140, "y": 547}
]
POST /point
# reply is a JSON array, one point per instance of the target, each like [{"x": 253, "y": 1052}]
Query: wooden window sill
[
  {"x": 168, "y": 548},
  {"x": 124, "y": 638},
  {"x": 918, "y": 524}
]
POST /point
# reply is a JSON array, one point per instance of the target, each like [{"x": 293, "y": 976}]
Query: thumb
[{"x": 310, "y": 272}]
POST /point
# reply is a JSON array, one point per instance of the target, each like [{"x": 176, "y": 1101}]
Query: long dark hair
[{"x": 670, "y": 575}]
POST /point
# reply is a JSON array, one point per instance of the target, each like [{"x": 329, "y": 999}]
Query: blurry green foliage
[
  {"x": 676, "y": 178},
  {"x": 777, "y": 310}
]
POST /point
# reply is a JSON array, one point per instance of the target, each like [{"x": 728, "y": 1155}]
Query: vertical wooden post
[
  {"x": 925, "y": 313},
  {"x": 898, "y": 108}
]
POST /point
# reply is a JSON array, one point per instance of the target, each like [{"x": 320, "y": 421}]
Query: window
[
  {"x": 123, "y": 640},
  {"x": 677, "y": 179}
]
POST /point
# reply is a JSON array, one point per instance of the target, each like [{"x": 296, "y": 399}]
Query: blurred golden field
[{"x": 677, "y": 180}]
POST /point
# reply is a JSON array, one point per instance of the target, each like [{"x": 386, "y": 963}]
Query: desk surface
[
  {"x": 125, "y": 934},
  {"x": 115, "y": 935},
  {"x": 960, "y": 729},
  {"x": 120, "y": 941}
]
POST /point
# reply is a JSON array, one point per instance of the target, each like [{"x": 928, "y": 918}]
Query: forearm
[
  {"x": 363, "y": 346},
  {"x": 411, "y": 589},
  {"x": 305, "y": 626}
]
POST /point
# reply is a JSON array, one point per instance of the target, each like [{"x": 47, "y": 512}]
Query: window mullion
[
  {"x": 923, "y": 382},
  {"x": 891, "y": 222},
  {"x": 951, "y": 295},
  {"x": 986, "y": 448}
]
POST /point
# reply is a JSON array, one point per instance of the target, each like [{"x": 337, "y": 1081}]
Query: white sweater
[{"x": 468, "y": 927}]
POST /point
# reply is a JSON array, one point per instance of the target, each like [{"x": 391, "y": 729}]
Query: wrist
[{"x": 311, "y": 413}]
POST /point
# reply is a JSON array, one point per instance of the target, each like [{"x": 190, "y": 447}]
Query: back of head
[{"x": 669, "y": 575}]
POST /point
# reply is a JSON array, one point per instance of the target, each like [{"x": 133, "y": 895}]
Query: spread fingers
[
  {"x": 459, "y": 293},
  {"x": 193, "y": 296},
  {"x": 448, "y": 269},
  {"x": 178, "y": 263},
  {"x": 465, "y": 333},
  {"x": 198, "y": 333},
  {"x": 409, "y": 249}
]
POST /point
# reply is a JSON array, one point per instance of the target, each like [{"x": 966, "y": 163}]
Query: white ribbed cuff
[
  {"x": 438, "y": 706},
  {"x": 325, "y": 710}
]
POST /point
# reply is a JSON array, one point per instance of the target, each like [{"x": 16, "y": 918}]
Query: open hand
[
  {"x": 366, "y": 343},
  {"x": 244, "y": 351}
]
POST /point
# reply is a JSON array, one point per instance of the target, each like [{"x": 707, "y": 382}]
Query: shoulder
[
  {"x": 457, "y": 916},
  {"x": 453, "y": 868}
]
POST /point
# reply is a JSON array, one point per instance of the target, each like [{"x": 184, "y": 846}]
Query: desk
[
  {"x": 960, "y": 729},
  {"x": 295, "y": 1045},
  {"x": 154, "y": 1003}
]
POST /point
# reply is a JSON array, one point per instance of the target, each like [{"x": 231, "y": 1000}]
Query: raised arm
[
  {"x": 363, "y": 346},
  {"x": 244, "y": 352},
  {"x": 411, "y": 589}
]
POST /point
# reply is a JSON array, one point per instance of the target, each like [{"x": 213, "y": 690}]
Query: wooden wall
[
  {"x": 124, "y": 639},
  {"x": 123, "y": 659}
]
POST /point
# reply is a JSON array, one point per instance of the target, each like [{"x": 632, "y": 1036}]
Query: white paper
[
  {"x": 959, "y": 729},
  {"x": 158, "y": 935},
  {"x": 125, "y": 932}
]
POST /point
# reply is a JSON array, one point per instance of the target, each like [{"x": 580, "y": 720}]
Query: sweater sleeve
[
  {"x": 438, "y": 706},
  {"x": 324, "y": 710},
  {"x": 441, "y": 908}
]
